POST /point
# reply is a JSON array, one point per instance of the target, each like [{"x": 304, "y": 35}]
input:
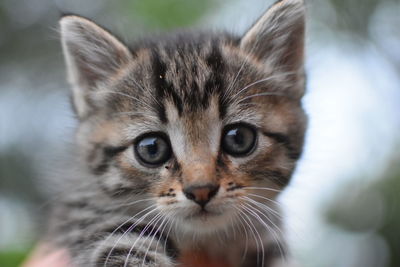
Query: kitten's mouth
[
  {"x": 203, "y": 214},
  {"x": 205, "y": 221}
]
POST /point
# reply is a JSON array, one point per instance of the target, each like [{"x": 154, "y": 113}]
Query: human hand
[{"x": 44, "y": 256}]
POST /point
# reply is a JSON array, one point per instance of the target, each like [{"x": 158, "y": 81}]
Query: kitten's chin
[{"x": 206, "y": 222}]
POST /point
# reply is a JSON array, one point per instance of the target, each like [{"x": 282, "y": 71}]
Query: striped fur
[{"x": 188, "y": 86}]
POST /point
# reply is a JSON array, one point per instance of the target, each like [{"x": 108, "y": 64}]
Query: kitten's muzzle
[{"x": 201, "y": 194}]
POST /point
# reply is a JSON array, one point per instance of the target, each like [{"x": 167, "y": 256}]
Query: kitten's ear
[
  {"x": 277, "y": 38},
  {"x": 92, "y": 56}
]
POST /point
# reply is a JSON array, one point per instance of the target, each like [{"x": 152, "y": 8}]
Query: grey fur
[{"x": 189, "y": 87}]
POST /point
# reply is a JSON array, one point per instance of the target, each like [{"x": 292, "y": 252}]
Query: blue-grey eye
[
  {"x": 152, "y": 149},
  {"x": 239, "y": 139}
]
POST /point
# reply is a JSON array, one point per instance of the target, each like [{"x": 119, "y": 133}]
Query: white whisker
[
  {"x": 126, "y": 95},
  {"x": 277, "y": 213},
  {"x": 153, "y": 236},
  {"x": 262, "y": 94},
  {"x": 128, "y": 230},
  {"x": 269, "y": 209},
  {"x": 155, "y": 218},
  {"x": 263, "y": 188},
  {"x": 261, "y": 81},
  {"x": 253, "y": 211},
  {"x": 246, "y": 236},
  {"x": 266, "y": 198},
  {"x": 255, "y": 233},
  {"x": 162, "y": 231}
]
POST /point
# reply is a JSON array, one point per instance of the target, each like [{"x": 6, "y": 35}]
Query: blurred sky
[{"x": 353, "y": 100}]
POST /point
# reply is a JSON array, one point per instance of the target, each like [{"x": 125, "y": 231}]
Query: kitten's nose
[{"x": 201, "y": 194}]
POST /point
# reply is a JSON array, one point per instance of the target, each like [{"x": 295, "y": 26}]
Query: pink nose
[{"x": 201, "y": 194}]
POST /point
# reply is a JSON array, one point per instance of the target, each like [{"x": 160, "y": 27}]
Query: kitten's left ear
[
  {"x": 277, "y": 38},
  {"x": 92, "y": 55}
]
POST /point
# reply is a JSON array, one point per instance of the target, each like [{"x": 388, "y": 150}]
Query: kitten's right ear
[{"x": 92, "y": 55}]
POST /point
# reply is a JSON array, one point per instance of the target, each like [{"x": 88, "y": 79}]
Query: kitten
[{"x": 183, "y": 144}]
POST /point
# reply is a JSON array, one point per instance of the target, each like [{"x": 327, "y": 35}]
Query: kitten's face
[{"x": 201, "y": 125}]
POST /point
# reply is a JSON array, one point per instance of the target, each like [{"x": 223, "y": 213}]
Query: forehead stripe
[
  {"x": 293, "y": 152},
  {"x": 164, "y": 88},
  {"x": 159, "y": 70},
  {"x": 215, "y": 83}
]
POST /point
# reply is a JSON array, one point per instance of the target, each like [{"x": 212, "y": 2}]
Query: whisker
[
  {"x": 262, "y": 94},
  {"x": 178, "y": 237},
  {"x": 263, "y": 188},
  {"x": 298, "y": 235},
  {"x": 162, "y": 231},
  {"x": 173, "y": 222},
  {"x": 155, "y": 218},
  {"x": 261, "y": 206},
  {"x": 233, "y": 228},
  {"x": 125, "y": 95},
  {"x": 276, "y": 213},
  {"x": 128, "y": 230},
  {"x": 236, "y": 77},
  {"x": 153, "y": 236},
  {"x": 263, "y": 80},
  {"x": 256, "y": 209},
  {"x": 255, "y": 232},
  {"x": 246, "y": 60},
  {"x": 265, "y": 198},
  {"x": 246, "y": 236},
  {"x": 117, "y": 93},
  {"x": 253, "y": 211}
]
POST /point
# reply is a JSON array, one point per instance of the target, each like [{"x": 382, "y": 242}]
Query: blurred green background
[{"x": 343, "y": 206}]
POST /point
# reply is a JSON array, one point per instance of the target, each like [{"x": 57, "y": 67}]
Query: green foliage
[
  {"x": 11, "y": 259},
  {"x": 360, "y": 211},
  {"x": 391, "y": 229},
  {"x": 374, "y": 207},
  {"x": 167, "y": 14}
]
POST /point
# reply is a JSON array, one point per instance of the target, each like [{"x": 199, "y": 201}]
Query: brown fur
[{"x": 202, "y": 204}]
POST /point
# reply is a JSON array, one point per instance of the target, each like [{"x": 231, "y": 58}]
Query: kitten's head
[{"x": 201, "y": 124}]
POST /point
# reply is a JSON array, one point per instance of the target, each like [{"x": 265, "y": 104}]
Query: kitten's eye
[
  {"x": 152, "y": 149},
  {"x": 239, "y": 139}
]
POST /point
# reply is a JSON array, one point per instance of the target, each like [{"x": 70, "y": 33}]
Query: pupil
[
  {"x": 238, "y": 137},
  {"x": 152, "y": 150},
  {"x": 151, "y": 145},
  {"x": 239, "y": 140}
]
